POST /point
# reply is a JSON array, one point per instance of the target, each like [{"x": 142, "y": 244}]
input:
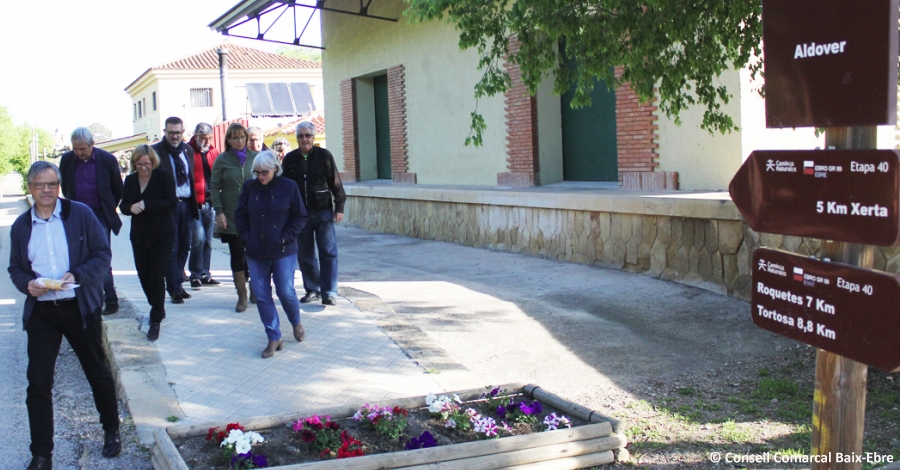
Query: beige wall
[
  {"x": 440, "y": 82},
  {"x": 549, "y": 133}
]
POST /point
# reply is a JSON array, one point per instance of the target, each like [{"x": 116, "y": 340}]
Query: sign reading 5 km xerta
[
  {"x": 830, "y": 63},
  {"x": 841, "y": 309},
  {"x": 845, "y": 195}
]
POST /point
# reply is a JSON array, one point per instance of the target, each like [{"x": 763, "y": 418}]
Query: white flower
[
  {"x": 255, "y": 437},
  {"x": 436, "y": 407},
  {"x": 450, "y": 423},
  {"x": 430, "y": 398},
  {"x": 456, "y": 398},
  {"x": 242, "y": 447},
  {"x": 485, "y": 425}
]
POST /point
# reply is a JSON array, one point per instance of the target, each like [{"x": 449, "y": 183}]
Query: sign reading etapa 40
[{"x": 844, "y": 195}]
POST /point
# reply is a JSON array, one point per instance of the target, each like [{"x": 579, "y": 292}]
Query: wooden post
[{"x": 839, "y": 403}]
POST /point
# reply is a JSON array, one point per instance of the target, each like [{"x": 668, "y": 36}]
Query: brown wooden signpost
[
  {"x": 832, "y": 64},
  {"x": 845, "y": 195},
  {"x": 842, "y": 309}
]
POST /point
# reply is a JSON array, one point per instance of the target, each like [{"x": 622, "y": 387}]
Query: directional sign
[
  {"x": 845, "y": 195},
  {"x": 830, "y": 63},
  {"x": 849, "y": 311}
]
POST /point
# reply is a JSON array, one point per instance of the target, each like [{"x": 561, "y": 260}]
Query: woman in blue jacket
[{"x": 268, "y": 218}]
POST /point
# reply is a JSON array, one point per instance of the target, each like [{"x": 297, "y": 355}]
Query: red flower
[
  {"x": 210, "y": 433},
  {"x": 400, "y": 411},
  {"x": 325, "y": 453},
  {"x": 233, "y": 426},
  {"x": 220, "y": 436},
  {"x": 307, "y": 436},
  {"x": 332, "y": 425}
]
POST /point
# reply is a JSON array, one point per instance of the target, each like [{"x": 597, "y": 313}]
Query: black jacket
[
  {"x": 269, "y": 217},
  {"x": 320, "y": 183},
  {"x": 109, "y": 183},
  {"x": 157, "y": 221},
  {"x": 165, "y": 164}
]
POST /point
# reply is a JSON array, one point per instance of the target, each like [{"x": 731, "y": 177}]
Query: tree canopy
[
  {"x": 15, "y": 144},
  {"x": 675, "y": 49}
]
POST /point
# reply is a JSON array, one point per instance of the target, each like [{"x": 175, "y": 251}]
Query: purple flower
[
  {"x": 495, "y": 391},
  {"x": 259, "y": 461},
  {"x": 525, "y": 408},
  {"x": 423, "y": 441},
  {"x": 501, "y": 412},
  {"x": 538, "y": 407}
]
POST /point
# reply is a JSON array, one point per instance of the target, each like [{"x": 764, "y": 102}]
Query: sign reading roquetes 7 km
[
  {"x": 839, "y": 308},
  {"x": 830, "y": 64},
  {"x": 844, "y": 195}
]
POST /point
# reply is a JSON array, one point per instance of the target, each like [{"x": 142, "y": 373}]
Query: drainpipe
[{"x": 223, "y": 71}]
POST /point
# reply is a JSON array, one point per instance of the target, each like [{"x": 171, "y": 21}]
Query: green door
[
  {"x": 589, "y": 136},
  {"x": 382, "y": 128}
]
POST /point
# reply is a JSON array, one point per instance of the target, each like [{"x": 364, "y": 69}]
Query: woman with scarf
[
  {"x": 269, "y": 216},
  {"x": 231, "y": 169}
]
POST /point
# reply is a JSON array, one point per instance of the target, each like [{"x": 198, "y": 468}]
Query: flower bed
[{"x": 481, "y": 428}]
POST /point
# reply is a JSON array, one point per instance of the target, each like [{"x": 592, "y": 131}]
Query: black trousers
[
  {"x": 46, "y": 327},
  {"x": 152, "y": 263},
  {"x": 236, "y": 249}
]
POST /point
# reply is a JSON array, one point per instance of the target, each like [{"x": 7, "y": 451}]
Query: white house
[{"x": 267, "y": 89}]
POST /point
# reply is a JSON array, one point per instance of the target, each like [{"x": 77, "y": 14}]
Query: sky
[{"x": 66, "y": 63}]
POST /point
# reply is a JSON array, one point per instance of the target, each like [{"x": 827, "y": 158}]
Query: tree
[
  {"x": 300, "y": 52},
  {"x": 100, "y": 132},
  {"x": 673, "y": 48},
  {"x": 13, "y": 149}
]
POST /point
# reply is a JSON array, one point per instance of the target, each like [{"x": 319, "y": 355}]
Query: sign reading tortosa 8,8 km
[{"x": 842, "y": 309}]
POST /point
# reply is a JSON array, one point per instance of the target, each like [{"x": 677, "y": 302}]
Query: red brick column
[
  {"x": 521, "y": 131},
  {"x": 635, "y": 133},
  {"x": 396, "y": 78},
  {"x": 351, "y": 130}
]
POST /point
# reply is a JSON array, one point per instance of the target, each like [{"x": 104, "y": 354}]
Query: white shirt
[
  {"x": 184, "y": 190},
  {"x": 48, "y": 251}
]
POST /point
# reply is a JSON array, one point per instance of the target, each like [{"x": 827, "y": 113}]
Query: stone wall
[{"x": 712, "y": 254}]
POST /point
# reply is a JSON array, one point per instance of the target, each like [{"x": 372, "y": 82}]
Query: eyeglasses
[
  {"x": 261, "y": 172},
  {"x": 306, "y": 136},
  {"x": 143, "y": 165},
  {"x": 44, "y": 185},
  {"x": 174, "y": 133}
]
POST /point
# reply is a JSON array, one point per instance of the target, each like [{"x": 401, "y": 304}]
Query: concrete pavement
[{"x": 416, "y": 317}]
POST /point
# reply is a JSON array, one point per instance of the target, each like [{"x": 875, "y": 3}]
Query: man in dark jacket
[
  {"x": 57, "y": 243},
  {"x": 91, "y": 176},
  {"x": 202, "y": 229},
  {"x": 177, "y": 157},
  {"x": 313, "y": 169}
]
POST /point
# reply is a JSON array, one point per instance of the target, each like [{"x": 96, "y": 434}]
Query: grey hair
[
  {"x": 82, "y": 134},
  {"x": 306, "y": 125},
  {"x": 40, "y": 166},
  {"x": 203, "y": 128},
  {"x": 254, "y": 130},
  {"x": 267, "y": 160},
  {"x": 282, "y": 141}
]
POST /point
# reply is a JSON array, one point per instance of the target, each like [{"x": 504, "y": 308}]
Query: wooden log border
[{"x": 583, "y": 446}]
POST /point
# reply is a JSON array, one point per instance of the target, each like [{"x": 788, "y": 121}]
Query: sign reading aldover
[
  {"x": 839, "y": 308},
  {"x": 830, "y": 63},
  {"x": 845, "y": 195}
]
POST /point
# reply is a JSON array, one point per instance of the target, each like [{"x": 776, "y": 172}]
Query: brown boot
[
  {"x": 240, "y": 283},
  {"x": 299, "y": 333},
  {"x": 271, "y": 348}
]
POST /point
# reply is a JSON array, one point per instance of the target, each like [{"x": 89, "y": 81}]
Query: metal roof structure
[{"x": 269, "y": 14}]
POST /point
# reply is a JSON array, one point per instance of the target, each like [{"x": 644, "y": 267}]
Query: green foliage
[
  {"x": 15, "y": 144},
  {"x": 299, "y": 52},
  {"x": 672, "y": 48}
]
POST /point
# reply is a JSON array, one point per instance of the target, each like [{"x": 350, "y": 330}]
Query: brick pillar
[
  {"x": 635, "y": 134},
  {"x": 521, "y": 131},
  {"x": 396, "y": 78},
  {"x": 351, "y": 130}
]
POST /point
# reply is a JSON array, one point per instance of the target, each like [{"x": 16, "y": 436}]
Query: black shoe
[
  {"x": 153, "y": 332},
  {"x": 210, "y": 282},
  {"x": 185, "y": 295},
  {"x": 195, "y": 284},
  {"x": 328, "y": 300},
  {"x": 112, "y": 443},
  {"x": 176, "y": 299},
  {"x": 111, "y": 309},
  {"x": 309, "y": 297},
  {"x": 41, "y": 463}
]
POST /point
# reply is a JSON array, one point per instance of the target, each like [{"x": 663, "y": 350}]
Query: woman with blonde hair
[
  {"x": 149, "y": 198},
  {"x": 231, "y": 169}
]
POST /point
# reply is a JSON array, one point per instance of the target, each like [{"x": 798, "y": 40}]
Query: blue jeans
[
  {"x": 319, "y": 275},
  {"x": 109, "y": 287},
  {"x": 262, "y": 273},
  {"x": 180, "y": 250},
  {"x": 201, "y": 242}
]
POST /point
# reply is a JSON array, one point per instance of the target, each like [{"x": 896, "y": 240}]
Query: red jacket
[{"x": 200, "y": 183}]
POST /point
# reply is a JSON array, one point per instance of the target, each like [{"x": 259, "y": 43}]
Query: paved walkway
[{"x": 210, "y": 360}]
